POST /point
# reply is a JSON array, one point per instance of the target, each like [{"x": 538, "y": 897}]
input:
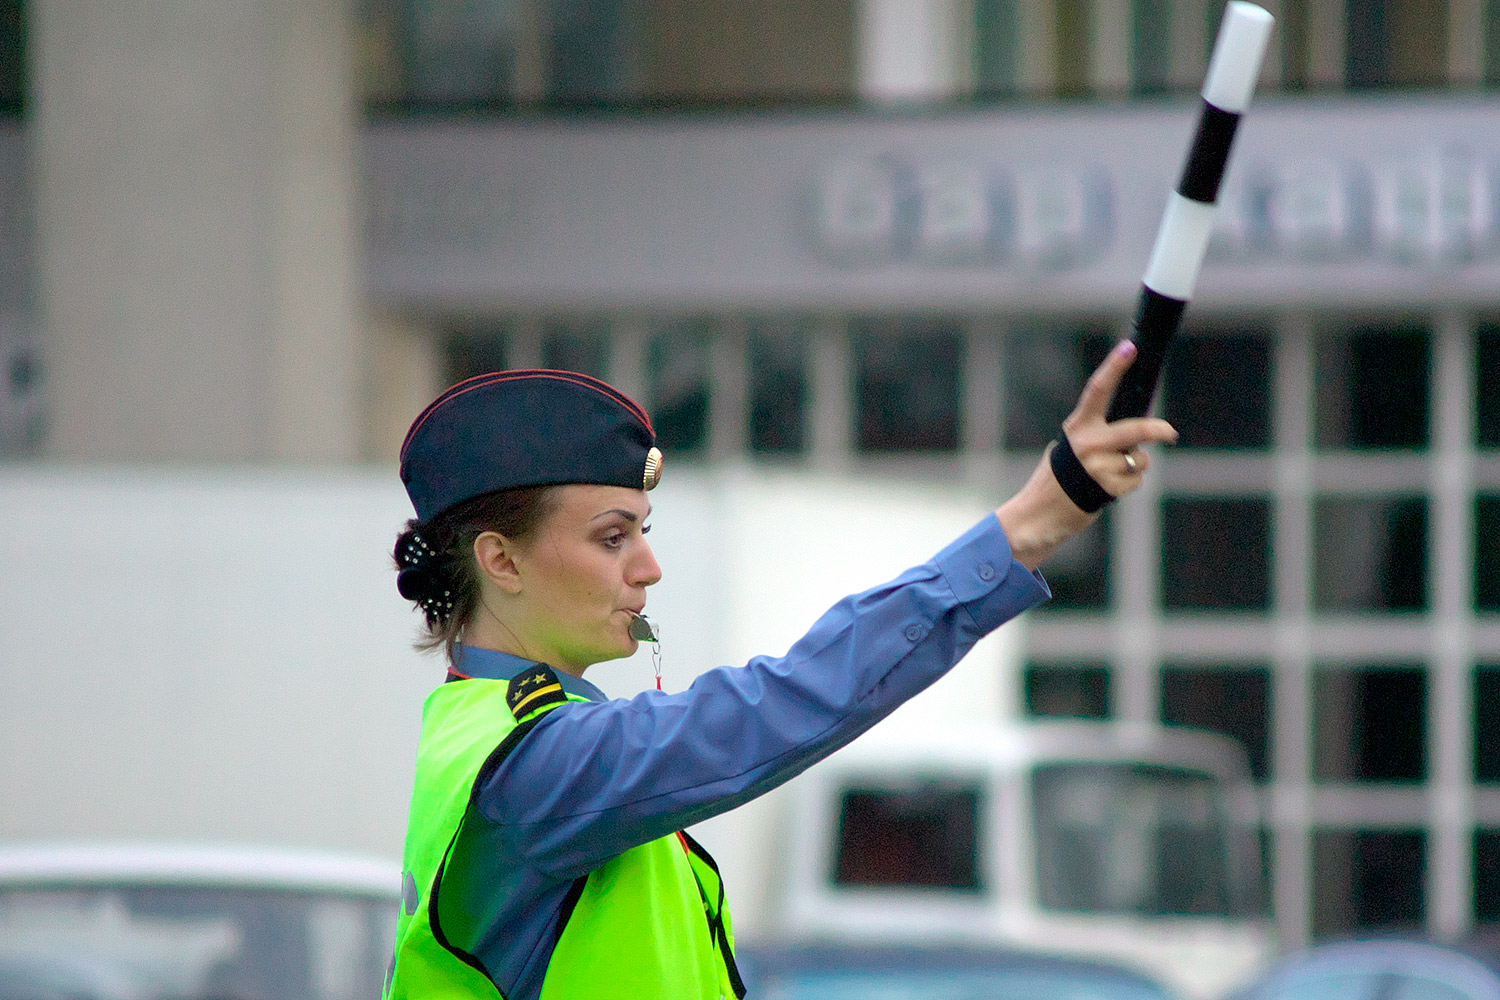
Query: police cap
[{"x": 525, "y": 428}]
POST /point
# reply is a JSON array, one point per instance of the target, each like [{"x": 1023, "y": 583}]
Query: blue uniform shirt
[{"x": 594, "y": 779}]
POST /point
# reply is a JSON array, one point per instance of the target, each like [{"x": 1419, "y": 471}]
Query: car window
[{"x": 187, "y": 943}]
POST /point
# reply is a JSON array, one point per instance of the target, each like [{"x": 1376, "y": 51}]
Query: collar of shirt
[{"x": 491, "y": 664}]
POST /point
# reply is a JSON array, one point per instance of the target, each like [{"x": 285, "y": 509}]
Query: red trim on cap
[{"x": 495, "y": 378}]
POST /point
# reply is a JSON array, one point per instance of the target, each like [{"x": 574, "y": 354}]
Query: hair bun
[
  {"x": 421, "y": 577},
  {"x": 413, "y": 584}
]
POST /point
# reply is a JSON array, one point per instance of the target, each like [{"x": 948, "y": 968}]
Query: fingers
[
  {"x": 1123, "y": 435},
  {"x": 1110, "y": 452},
  {"x": 1101, "y": 386},
  {"x": 1117, "y": 472}
]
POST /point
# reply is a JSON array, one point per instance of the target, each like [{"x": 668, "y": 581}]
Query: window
[
  {"x": 1216, "y": 390},
  {"x": 591, "y": 52},
  {"x": 1395, "y": 43},
  {"x": 1079, "y": 570},
  {"x": 925, "y": 835},
  {"x": 12, "y": 59},
  {"x": 1233, "y": 700},
  {"x": 1215, "y": 554},
  {"x": 1372, "y": 388},
  {"x": 1076, "y": 691},
  {"x": 454, "y": 52},
  {"x": 747, "y": 49},
  {"x": 1487, "y": 552},
  {"x": 1487, "y": 372},
  {"x": 1295, "y": 31},
  {"x": 1491, "y": 45},
  {"x": 1370, "y": 554},
  {"x": 778, "y": 390},
  {"x": 476, "y": 352},
  {"x": 1370, "y": 724},
  {"x": 1151, "y": 45},
  {"x": 1136, "y": 838},
  {"x": 906, "y": 385},
  {"x": 1071, "y": 47},
  {"x": 1367, "y": 879},
  {"x": 678, "y": 358},
  {"x": 1044, "y": 370},
  {"x": 1487, "y": 876},
  {"x": 576, "y": 347},
  {"x": 997, "y": 27},
  {"x": 1487, "y": 722}
]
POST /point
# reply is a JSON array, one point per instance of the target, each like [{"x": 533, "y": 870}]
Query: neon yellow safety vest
[{"x": 649, "y": 923}]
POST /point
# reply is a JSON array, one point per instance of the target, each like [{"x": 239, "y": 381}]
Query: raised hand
[
  {"x": 1110, "y": 451},
  {"x": 1043, "y": 515}
]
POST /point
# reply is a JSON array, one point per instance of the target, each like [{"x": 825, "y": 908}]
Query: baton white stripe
[
  {"x": 1238, "y": 52},
  {"x": 1181, "y": 243}
]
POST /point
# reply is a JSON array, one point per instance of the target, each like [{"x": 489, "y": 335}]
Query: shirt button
[
  {"x": 986, "y": 572},
  {"x": 915, "y": 632}
]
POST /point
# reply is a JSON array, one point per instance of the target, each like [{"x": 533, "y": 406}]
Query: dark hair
[{"x": 435, "y": 559}]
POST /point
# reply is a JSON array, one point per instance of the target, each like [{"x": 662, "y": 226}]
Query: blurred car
[
  {"x": 193, "y": 923},
  {"x": 842, "y": 972},
  {"x": 1379, "y": 969}
]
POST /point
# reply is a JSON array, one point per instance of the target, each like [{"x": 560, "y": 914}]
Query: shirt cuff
[{"x": 986, "y": 579}]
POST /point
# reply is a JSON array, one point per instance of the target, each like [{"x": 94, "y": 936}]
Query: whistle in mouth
[{"x": 641, "y": 628}]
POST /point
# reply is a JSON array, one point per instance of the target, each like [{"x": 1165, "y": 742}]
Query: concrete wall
[{"x": 194, "y": 188}]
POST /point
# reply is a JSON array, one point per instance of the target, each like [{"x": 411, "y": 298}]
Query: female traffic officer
[{"x": 544, "y": 854}]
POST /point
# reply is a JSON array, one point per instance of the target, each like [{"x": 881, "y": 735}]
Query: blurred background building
[{"x": 853, "y": 235}]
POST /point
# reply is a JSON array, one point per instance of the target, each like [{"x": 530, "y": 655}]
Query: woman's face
[{"x": 581, "y": 574}]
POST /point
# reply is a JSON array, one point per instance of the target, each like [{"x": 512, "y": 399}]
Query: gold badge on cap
[{"x": 653, "y": 469}]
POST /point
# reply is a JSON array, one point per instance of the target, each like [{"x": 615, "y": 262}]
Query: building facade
[{"x": 873, "y": 235}]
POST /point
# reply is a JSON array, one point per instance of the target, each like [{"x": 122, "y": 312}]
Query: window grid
[{"x": 1132, "y": 638}]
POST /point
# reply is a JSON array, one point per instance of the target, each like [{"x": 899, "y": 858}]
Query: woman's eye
[
  {"x": 646, "y": 529},
  {"x": 614, "y": 541}
]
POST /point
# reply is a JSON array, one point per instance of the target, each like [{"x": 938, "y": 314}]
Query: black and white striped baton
[{"x": 1185, "y": 227}]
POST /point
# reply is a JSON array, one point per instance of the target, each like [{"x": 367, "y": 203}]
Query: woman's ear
[{"x": 496, "y": 556}]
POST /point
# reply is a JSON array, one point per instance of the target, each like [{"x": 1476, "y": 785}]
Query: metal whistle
[{"x": 641, "y": 628}]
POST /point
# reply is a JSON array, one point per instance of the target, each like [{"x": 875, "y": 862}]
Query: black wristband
[{"x": 1083, "y": 489}]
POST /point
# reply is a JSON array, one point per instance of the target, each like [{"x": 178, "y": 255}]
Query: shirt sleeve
[{"x": 594, "y": 779}]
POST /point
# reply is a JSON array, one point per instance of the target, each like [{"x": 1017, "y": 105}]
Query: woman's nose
[{"x": 645, "y": 570}]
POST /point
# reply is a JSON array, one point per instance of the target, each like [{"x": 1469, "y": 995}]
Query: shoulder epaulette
[{"x": 532, "y": 689}]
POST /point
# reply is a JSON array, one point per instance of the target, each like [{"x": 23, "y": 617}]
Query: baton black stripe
[
  {"x": 1157, "y": 318},
  {"x": 1209, "y": 155}
]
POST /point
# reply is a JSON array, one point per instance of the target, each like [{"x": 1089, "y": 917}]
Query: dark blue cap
[{"x": 525, "y": 428}]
